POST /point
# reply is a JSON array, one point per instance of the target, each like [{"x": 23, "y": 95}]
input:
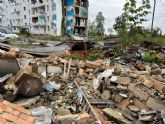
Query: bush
[
  {"x": 24, "y": 31},
  {"x": 149, "y": 56},
  {"x": 152, "y": 56}
]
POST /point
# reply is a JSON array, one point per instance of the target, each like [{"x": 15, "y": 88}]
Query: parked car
[{"x": 7, "y": 33}]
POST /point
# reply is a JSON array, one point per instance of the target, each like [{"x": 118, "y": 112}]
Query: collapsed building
[{"x": 53, "y": 17}]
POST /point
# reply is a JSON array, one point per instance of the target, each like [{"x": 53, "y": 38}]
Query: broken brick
[
  {"x": 9, "y": 117},
  {"x": 155, "y": 104},
  {"x": 90, "y": 64},
  {"x": 137, "y": 92},
  {"x": 139, "y": 104},
  {"x": 159, "y": 86},
  {"x": 27, "y": 118}
]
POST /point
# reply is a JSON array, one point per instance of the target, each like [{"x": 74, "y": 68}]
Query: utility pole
[{"x": 153, "y": 16}]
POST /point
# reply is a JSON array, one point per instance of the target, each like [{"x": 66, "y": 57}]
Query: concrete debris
[{"x": 59, "y": 89}]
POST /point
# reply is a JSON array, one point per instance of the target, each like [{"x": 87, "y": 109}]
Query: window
[
  {"x": 24, "y": 16},
  {"x": 24, "y": 8},
  {"x": 48, "y": 18}
]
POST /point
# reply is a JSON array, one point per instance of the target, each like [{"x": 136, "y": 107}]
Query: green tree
[
  {"x": 100, "y": 24},
  {"x": 129, "y": 24},
  {"x": 92, "y": 29}
]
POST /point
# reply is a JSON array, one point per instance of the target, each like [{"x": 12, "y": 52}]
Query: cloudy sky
[{"x": 113, "y": 8}]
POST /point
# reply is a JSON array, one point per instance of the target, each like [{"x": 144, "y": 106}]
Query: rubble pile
[{"x": 65, "y": 90}]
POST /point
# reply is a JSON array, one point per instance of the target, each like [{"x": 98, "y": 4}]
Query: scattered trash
[
  {"x": 51, "y": 86},
  {"x": 43, "y": 115}
]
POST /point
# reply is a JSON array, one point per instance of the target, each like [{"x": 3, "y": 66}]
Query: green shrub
[
  {"x": 149, "y": 56},
  {"x": 24, "y": 31}
]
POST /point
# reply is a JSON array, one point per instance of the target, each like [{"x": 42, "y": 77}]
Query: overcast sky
[{"x": 113, "y": 8}]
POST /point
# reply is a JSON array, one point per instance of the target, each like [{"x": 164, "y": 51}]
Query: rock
[
  {"x": 27, "y": 103},
  {"x": 146, "y": 118},
  {"x": 155, "y": 104},
  {"x": 61, "y": 111},
  {"x": 127, "y": 113},
  {"x": 163, "y": 73},
  {"x": 118, "y": 98},
  {"x": 106, "y": 95},
  {"x": 67, "y": 119},
  {"x": 121, "y": 87},
  {"x": 140, "y": 66},
  {"x": 84, "y": 116},
  {"x": 138, "y": 92},
  {"x": 89, "y": 70},
  {"x": 81, "y": 72},
  {"x": 148, "y": 82},
  {"x": 113, "y": 79},
  {"x": 1, "y": 98},
  {"x": 116, "y": 115},
  {"x": 90, "y": 76},
  {"x": 133, "y": 108},
  {"x": 41, "y": 69},
  {"x": 123, "y": 80},
  {"x": 133, "y": 76},
  {"x": 156, "y": 71},
  {"x": 148, "y": 68},
  {"x": 163, "y": 115},
  {"x": 108, "y": 81},
  {"x": 117, "y": 69},
  {"x": 28, "y": 85},
  {"x": 54, "y": 70},
  {"x": 90, "y": 64}
]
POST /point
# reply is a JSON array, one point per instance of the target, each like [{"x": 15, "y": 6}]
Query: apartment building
[
  {"x": 54, "y": 17},
  {"x": 1, "y": 11}
]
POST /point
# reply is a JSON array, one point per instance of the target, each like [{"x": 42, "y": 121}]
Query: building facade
[{"x": 54, "y": 17}]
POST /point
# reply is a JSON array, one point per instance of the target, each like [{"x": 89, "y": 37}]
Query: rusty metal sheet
[{"x": 8, "y": 66}]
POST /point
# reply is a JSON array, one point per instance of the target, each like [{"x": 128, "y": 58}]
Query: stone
[
  {"x": 133, "y": 75},
  {"x": 116, "y": 115},
  {"x": 148, "y": 68},
  {"x": 61, "y": 111},
  {"x": 159, "y": 86},
  {"x": 108, "y": 81},
  {"x": 90, "y": 64},
  {"x": 163, "y": 72},
  {"x": 28, "y": 85},
  {"x": 148, "y": 82},
  {"x": 28, "y": 102},
  {"x": 155, "y": 104},
  {"x": 127, "y": 113},
  {"x": 146, "y": 118},
  {"x": 123, "y": 80},
  {"x": 133, "y": 108},
  {"x": 81, "y": 72},
  {"x": 156, "y": 71},
  {"x": 140, "y": 66},
  {"x": 118, "y": 98},
  {"x": 41, "y": 69},
  {"x": 122, "y": 88},
  {"x": 54, "y": 70},
  {"x": 139, "y": 104},
  {"x": 123, "y": 104},
  {"x": 67, "y": 119},
  {"x": 90, "y": 76},
  {"x": 113, "y": 79},
  {"x": 106, "y": 95},
  {"x": 1, "y": 97},
  {"x": 117, "y": 69},
  {"x": 137, "y": 92}
]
